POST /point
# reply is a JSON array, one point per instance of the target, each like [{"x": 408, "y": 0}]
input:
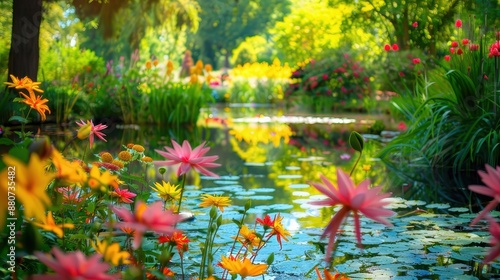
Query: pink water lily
[
  {"x": 494, "y": 251},
  {"x": 492, "y": 180},
  {"x": 189, "y": 158},
  {"x": 353, "y": 199},
  {"x": 73, "y": 265},
  {"x": 146, "y": 218}
]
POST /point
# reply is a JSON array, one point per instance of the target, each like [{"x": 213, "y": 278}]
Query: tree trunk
[{"x": 24, "y": 49}]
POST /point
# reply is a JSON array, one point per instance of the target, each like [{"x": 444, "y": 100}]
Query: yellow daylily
[
  {"x": 30, "y": 181},
  {"x": 50, "y": 225},
  {"x": 111, "y": 253},
  {"x": 217, "y": 201}
]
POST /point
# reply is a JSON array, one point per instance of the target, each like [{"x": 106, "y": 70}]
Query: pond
[{"x": 269, "y": 157}]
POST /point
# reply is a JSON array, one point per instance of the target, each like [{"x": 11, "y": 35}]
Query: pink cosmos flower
[
  {"x": 94, "y": 130},
  {"x": 123, "y": 195},
  {"x": 146, "y": 218},
  {"x": 189, "y": 158},
  {"x": 494, "y": 251},
  {"x": 353, "y": 199},
  {"x": 73, "y": 265},
  {"x": 492, "y": 180}
]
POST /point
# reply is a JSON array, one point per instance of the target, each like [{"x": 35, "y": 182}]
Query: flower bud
[{"x": 84, "y": 131}]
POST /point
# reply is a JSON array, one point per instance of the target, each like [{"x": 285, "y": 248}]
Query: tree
[
  {"x": 27, "y": 17},
  {"x": 226, "y": 23},
  {"x": 24, "y": 45},
  {"x": 432, "y": 20}
]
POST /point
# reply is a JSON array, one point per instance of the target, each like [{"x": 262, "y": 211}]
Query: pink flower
[
  {"x": 387, "y": 47},
  {"x": 188, "y": 158},
  {"x": 73, "y": 265},
  {"x": 492, "y": 180},
  {"x": 494, "y": 49},
  {"x": 416, "y": 60},
  {"x": 123, "y": 195},
  {"x": 452, "y": 50},
  {"x": 395, "y": 47},
  {"x": 345, "y": 156},
  {"x": 473, "y": 47},
  {"x": 458, "y": 23},
  {"x": 447, "y": 57},
  {"x": 353, "y": 199},
  {"x": 94, "y": 130},
  {"x": 414, "y": 24},
  {"x": 402, "y": 126},
  {"x": 494, "y": 251},
  {"x": 146, "y": 218}
]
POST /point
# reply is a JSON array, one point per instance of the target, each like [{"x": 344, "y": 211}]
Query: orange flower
[
  {"x": 278, "y": 229},
  {"x": 24, "y": 83},
  {"x": 36, "y": 102},
  {"x": 50, "y": 225}
]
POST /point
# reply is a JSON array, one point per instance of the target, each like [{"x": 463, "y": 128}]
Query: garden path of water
[{"x": 427, "y": 241}]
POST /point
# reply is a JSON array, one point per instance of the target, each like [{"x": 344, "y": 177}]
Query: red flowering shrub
[{"x": 336, "y": 82}]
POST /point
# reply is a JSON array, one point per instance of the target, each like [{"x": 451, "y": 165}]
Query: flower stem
[
  {"x": 182, "y": 191},
  {"x": 356, "y": 163}
]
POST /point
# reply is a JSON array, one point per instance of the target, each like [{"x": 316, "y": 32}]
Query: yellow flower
[
  {"x": 118, "y": 163},
  {"x": 30, "y": 183},
  {"x": 167, "y": 191},
  {"x": 148, "y": 64},
  {"x": 244, "y": 267},
  {"x": 98, "y": 179},
  {"x": 147, "y": 159},
  {"x": 69, "y": 172},
  {"x": 217, "y": 201},
  {"x": 36, "y": 102},
  {"x": 50, "y": 225},
  {"x": 248, "y": 237},
  {"x": 111, "y": 253},
  {"x": 84, "y": 131},
  {"x": 366, "y": 167},
  {"x": 170, "y": 67}
]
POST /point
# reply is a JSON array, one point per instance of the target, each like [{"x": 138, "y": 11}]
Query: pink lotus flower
[
  {"x": 189, "y": 158},
  {"x": 94, "y": 130},
  {"x": 494, "y": 251},
  {"x": 492, "y": 180},
  {"x": 146, "y": 218},
  {"x": 73, "y": 265},
  {"x": 354, "y": 199}
]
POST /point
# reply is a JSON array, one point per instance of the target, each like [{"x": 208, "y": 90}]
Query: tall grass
[{"x": 177, "y": 104}]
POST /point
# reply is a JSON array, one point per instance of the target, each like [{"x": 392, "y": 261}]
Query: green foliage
[
  {"x": 253, "y": 49},
  {"x": 453, "y": 130},
  {"x": 5, "y": 34},
  {"x": 337, "y": 82},
  {"x": 177, "y": 104},
  {"x": 65, "y": 63}
]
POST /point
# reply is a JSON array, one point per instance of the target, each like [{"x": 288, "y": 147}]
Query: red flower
[
  {"x": 387, "y": 47},
  {"x": 465, "y": 41},
  {"x": 494, "y": 49},
  {"x": 325, "y": 77},
  {"x": 416, "y": 60},
  {"x": 266, "y": 222},
  {"x": 401, "y": 74},
  {"x": 454, "y": 44},
  {"x": 447, "y": 57},
  {"x": 414, "y": 24},
  {"x": 458, "y": 23},
  {"x": 395, "y": 47},
  {"x": 473, "y": 47},
  {"x": 460, "y": 51},
  {"x": 123, "y": 195},
  {"x": 452, "y": 50},
  {"x": 402, "y": 126}
]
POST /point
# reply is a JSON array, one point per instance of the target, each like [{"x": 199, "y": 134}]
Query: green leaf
[
  {"x": 19, "y": 119},
  {"x": 6, "y": 141},
  {"x": 270, "y": 259},
  {"x": 356, "y": 141}
]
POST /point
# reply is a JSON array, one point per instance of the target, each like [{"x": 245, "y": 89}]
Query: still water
[{"x": 269, "y": 158}]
